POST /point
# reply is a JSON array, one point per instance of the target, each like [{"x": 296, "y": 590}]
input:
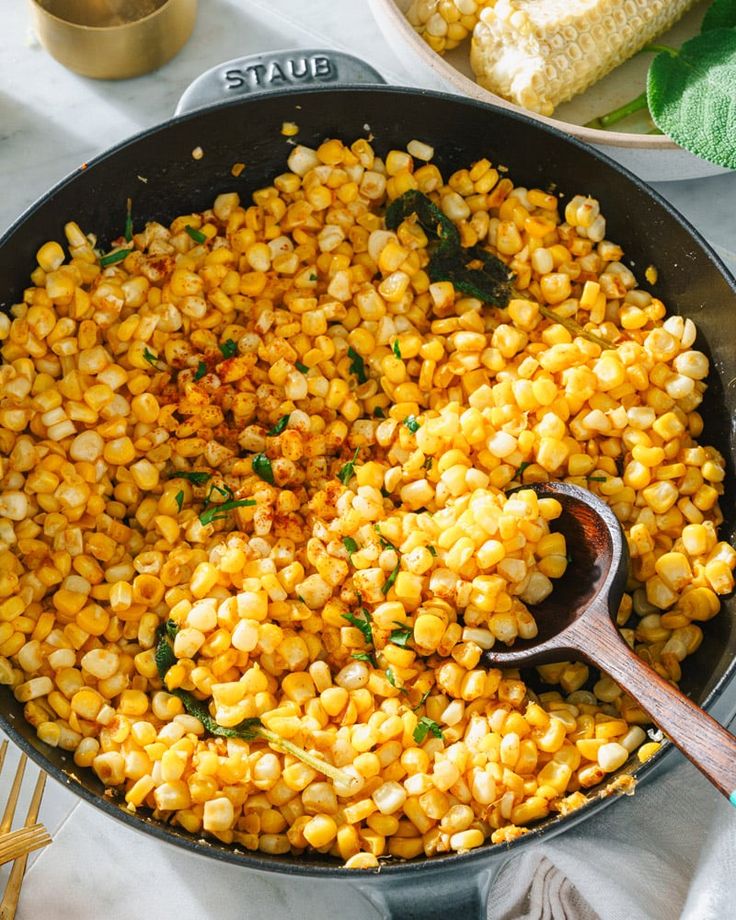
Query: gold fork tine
[
  {"x": 23, "y": 841},
  {"x": 3, "y": 749},
  {"x": 8, "y": 840},
  {"x": 13, "y": 797},
  {"x": 11, "y": 894}
]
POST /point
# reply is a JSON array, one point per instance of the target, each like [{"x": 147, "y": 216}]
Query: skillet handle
[
  {"x": 443, "y": 894},
  {"x": 256, "y": 74}
]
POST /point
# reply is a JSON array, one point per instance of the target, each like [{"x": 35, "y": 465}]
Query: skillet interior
[{"x": 158, "y": 172}]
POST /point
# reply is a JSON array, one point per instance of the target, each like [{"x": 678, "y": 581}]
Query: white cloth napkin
[{"x": 667, "y": 852}]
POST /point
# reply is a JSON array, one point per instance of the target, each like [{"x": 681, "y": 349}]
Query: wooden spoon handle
[{"x": 700, "y": 738}]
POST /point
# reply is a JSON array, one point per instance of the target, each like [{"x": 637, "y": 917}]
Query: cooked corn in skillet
[{"x": 254, "y": 515}]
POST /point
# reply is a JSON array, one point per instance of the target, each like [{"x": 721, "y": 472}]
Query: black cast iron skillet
[{"x": 157, "y": 171}]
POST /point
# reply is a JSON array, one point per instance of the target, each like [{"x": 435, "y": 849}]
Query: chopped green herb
[
  {"x": 412, "y": 424},
  {"x": 313, "y": 276},
  {"x": 199, "y": 479},
  {"x": 301, "y": 599},
  {"x": 424, "y": 726},
  {"x": 596, "y": 478},
  {"x": 522, "y": 466},
  {"x": 195, "y": 234},
  {"x": 396, "y": 348},
  {"x": 350, "y": 545},
  {"x": 112, "y": 257},
  {"x": 218, "y": 512},
  {"x": 379, "y": 413},
  {"x": 423, "y": 699},
  {"x": 179, "y": 500},
  {"x": 301, "y": 367},
  {"x": 150, "y": 357},
  {"x": 401, "y": 635},
  {"x": 385, "y": 544},
  {"x": 363, "y": 656},
  {"x": 392, "y": 680},
  {"x": 224, "y": 489},
  {"x": 262, "y": 467},
  {"x": 229, "y": 348},
  {"x": 388, "y": 584},
  {"x": 128, "y": 232},
  {"x": 347, "y": 470},
  {"x": 357, "y": 365},
  {"x": 201, "y": 371},
  {"x": 279, "y": 426},
  {"x": 428, "y": 463},
  {"x": 249, "y": 729},
  {"x": 432, "y": 550},
  {"x": 363, "y": 623}
]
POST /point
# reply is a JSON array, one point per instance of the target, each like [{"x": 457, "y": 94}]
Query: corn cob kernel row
[{"x": 540, "y": 54}]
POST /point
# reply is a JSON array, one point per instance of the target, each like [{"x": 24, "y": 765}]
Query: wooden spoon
[{"x": 576, "y": 621}]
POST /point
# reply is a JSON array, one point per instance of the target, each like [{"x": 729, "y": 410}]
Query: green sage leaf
[{"x": 691, "y": 95}]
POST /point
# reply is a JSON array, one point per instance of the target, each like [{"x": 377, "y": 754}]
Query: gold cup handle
[{"x": 272, "y": 71}]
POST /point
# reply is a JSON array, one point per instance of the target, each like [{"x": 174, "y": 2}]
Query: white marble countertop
[{"x": 51, "y": 121}]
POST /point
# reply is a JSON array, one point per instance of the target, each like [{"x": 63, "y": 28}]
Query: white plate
[{"x": 654, "y": 157}]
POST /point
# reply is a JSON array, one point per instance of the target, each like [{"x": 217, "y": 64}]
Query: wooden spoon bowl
[{"x": 577, "y": 622}]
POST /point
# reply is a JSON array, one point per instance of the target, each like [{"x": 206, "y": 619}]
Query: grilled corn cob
[
  {"x": 443, "y": 24},
  {"x": 539, "y": 53}
]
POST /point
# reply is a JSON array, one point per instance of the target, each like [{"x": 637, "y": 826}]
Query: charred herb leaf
[
  {"x": 432, "y": 220},
  {"x": 472, "y": 270}
]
